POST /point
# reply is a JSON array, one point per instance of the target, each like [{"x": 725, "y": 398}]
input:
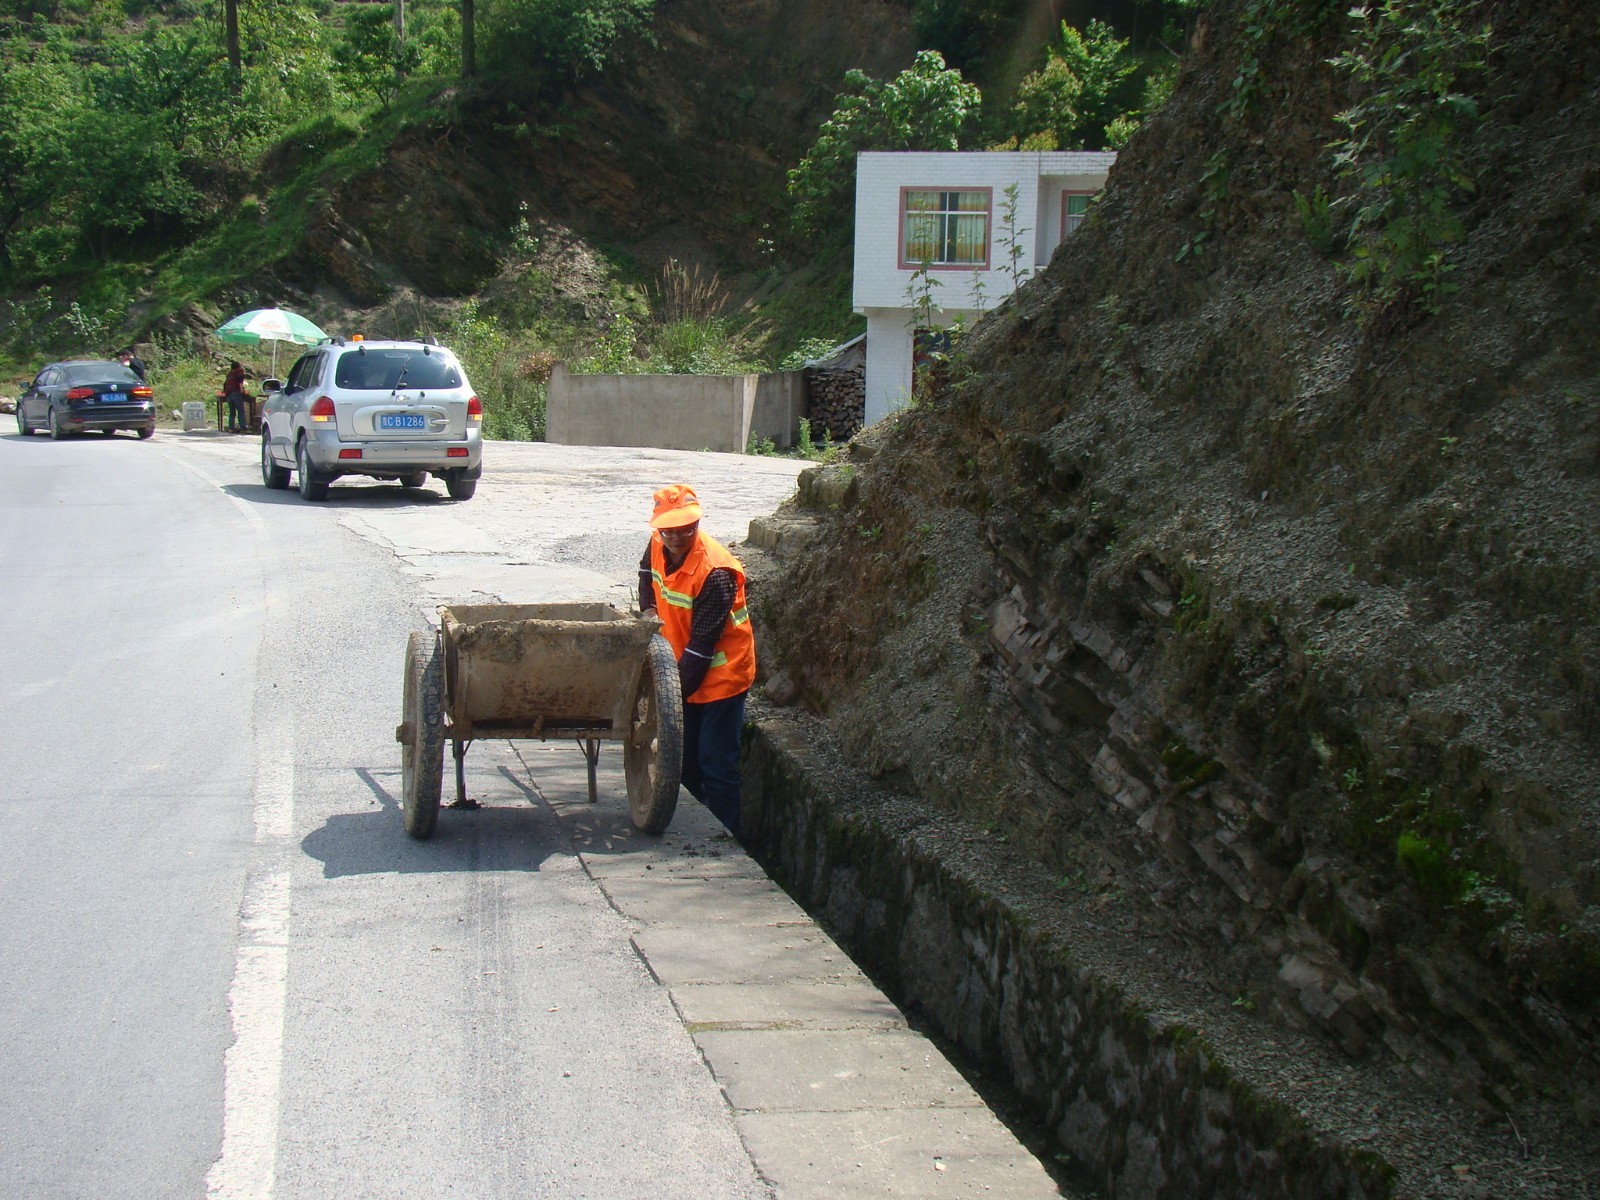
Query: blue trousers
[{"x": 711, "y": 755}]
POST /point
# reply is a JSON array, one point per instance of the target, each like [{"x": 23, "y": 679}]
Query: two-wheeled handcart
[{"x": 538, "y": 671}]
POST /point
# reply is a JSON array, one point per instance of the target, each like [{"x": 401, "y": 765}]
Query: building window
[
  {"x": 944, "y": 229},
  {"x": 1074, "y": 209}
]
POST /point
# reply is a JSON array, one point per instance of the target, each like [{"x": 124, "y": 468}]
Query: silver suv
[{"x": 390, "y": 410}]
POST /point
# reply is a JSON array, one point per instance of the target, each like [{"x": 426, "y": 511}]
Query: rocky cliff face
[{"x": 1270, "y": 622}]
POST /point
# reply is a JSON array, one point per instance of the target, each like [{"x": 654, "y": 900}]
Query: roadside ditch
[{"x": 1129, "y": 1080}]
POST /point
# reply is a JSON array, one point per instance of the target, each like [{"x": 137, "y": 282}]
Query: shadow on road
[
  {"x": 386, "y": 496},
  {"x": 44, "y": 439},
  {"x": 508, "y": 835}
]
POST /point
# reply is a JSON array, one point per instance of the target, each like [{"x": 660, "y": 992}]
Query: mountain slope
[
  {"x": 679, "y": 151},
  {"x": 1268, "y": 620}
]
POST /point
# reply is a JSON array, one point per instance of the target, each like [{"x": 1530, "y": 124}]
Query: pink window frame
[
  {"x": 988, "y": 229},
  {"x": 1064, "y": 213}
]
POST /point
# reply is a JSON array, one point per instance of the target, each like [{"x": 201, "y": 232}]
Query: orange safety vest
[{"x": 733, "y": 662}]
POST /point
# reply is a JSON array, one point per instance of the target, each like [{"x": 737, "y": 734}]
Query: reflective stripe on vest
[{"x": 668, "y": 596}]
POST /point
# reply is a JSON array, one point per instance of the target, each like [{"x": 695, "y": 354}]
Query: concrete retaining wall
[
  {"x": 780, "y": 403},
  {"x": 674, "y": 412},
  {"x": 1140, "y": 1101}
]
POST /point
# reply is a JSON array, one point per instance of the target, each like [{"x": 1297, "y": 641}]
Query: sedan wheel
[
  {"x": 22, "y": 422},
  {"x": 56, "y": 432},
  {"x": 312, "y": 485}
]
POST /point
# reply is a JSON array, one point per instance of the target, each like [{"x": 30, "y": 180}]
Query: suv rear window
[{"x": 385, "y": 370}]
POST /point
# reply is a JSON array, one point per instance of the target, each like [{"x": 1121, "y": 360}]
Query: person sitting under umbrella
[{"x": 233, "y": 392}]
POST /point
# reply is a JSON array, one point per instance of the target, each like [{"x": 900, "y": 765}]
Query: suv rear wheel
[
  {"x": 313, "y": 486},
  {"x": 459, "y": 488},
  {"x": 274, "y": 476}
]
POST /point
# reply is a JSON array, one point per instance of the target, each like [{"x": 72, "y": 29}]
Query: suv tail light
[
  {"x": 474, "y": 409},
  {"x": 322, "y": 409},
  {"x": 80, "y": 393}
]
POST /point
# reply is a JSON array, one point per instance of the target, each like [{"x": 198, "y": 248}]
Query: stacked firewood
[{"x": 836, "y": 400}]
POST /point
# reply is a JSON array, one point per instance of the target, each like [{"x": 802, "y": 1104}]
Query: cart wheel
[
  {"x": 652, "y": 757},
  {"x": 422, "y": 753}
]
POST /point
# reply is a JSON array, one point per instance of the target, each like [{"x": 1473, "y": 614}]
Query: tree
[
  {"x": 289, "y": 65},
  {"x": 1101, "y": 61},
  {"x": 171, "y": 76},
  {"x": 372, "y": 60},
  {"x": 546, "y": 46},
  {"x": 974, "y": 36},
  {"x": 38, "y": 96},
  {"x": 400, "y": 36},
  {"x": 1077, "y": 93},
  {"x": 230, "y": 27},
  {"x": 925, "y": 107},
  {"x": 149, "y": 189},
  {"x": 1048, "y": 108}
]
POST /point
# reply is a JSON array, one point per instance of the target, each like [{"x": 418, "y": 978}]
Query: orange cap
[{"x": 676, "y": 504}]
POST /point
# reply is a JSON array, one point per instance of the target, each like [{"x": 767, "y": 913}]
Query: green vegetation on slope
[{"x": 231, "y": 190}]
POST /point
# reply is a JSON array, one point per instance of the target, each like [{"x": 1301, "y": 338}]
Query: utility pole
[
  {"x": 230, "y": 27},
  {"x": 469, "y": 49},
  {"x": 399, "y": 41}
]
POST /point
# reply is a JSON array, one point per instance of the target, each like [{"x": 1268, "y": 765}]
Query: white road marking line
[{"x": 252, "y": 1069}]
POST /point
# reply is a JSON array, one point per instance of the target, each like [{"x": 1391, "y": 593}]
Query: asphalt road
[{"x": 226, "y": 969}]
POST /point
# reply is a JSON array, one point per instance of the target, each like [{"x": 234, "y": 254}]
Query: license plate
[
  {"x": 402, "y": 421},
  {"x": 114, "y": 398}
]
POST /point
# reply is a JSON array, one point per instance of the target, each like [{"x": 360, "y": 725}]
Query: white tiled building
[{"x": 946, "y": 212}]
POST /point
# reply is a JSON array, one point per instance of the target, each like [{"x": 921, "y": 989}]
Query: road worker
[{"x": 695, "y": 587}]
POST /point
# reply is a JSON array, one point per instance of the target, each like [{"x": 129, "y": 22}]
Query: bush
[
  {"x": 516, "y": 414},
  {"x": 1406, "y": 149},
  {"x": 705, "y": 347},
  {"x": 612, "y": 353}
]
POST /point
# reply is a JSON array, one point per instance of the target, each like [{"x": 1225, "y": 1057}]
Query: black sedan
[{"x": 71, "y": 397}]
